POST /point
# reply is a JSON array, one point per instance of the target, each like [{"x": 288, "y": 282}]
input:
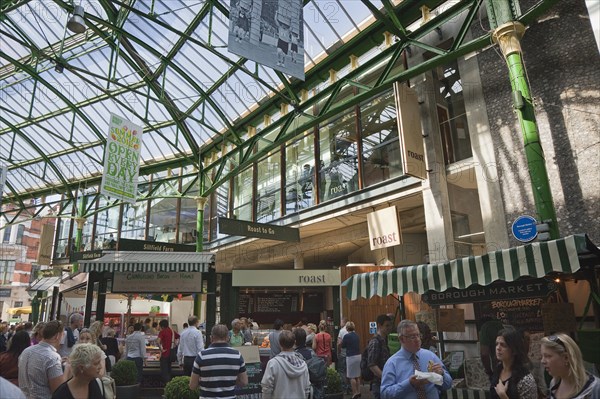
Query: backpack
[
  {"x": 365, "y": 371},
  {"x": 317, "y": 369}
]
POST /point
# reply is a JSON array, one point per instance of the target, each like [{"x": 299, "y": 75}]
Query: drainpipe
[{"x": 508, "y": 33}]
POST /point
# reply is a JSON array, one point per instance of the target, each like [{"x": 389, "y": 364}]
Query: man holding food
[{"x": 412, "y": 372}]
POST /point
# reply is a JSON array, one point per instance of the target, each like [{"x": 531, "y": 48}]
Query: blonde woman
[
  {"x": 86, "y": 364},
  {"x": 311, "y": 331},
  {"x": 322, "y": 343},
  {"x": 562, "y": 359}
]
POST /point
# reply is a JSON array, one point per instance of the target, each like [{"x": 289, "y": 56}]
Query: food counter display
[{"x": 152, "y": 350}]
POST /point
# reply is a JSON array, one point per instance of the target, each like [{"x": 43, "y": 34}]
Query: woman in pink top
[{"x": 322, "y": 343}]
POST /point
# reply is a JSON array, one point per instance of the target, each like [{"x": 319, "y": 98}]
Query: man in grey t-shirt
[{"x": 40, "y": 368}]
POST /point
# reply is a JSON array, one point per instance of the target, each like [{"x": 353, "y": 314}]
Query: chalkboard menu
[
  {"x": 313, "y": 302},
  {"x": 253, "y": 389},
  {"x": 523, "y": 313},
  {"x": 246, "y": 304},
  {"x": 276, "y": 303}
]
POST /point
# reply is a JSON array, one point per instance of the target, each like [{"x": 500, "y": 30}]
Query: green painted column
[
  {"x": 200, "y": 204},
  {"x": 508, "y": 34},
  {"x": 35, "y": 307}
]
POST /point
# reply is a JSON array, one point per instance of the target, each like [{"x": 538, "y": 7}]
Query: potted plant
[
  {"x": 124, "y": 373},
  {"x": 333, "y": 385},
  {"x": 179, "y": 388}
]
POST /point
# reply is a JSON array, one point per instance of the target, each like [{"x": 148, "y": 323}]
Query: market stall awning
[
  {"x": 136, "y": 261},
  {"x": 20, "y": 310},
  {"x": 536, "y": 259},
  {"x": 45, "y": 283}
]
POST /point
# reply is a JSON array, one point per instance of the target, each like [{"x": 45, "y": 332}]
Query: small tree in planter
[
  {"x": 124, "y": 373},
  {"x": 179, "y": 388},
  {"x": 333, "y": 385}
]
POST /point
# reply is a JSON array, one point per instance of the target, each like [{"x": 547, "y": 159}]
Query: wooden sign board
[
  {"x": 558, "y": 317},
  {"x": 451, "y": 320}
]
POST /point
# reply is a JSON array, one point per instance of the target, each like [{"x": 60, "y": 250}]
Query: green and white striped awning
[
  {"x": 137, "y": 261},
  {"x": 536, "y": 259}
]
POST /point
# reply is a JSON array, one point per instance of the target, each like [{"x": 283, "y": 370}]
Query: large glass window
[
  {"x": 268, "y": 188},
  {"x": 7, "y": 268},
  {"x": 6, "y": 235},
  {"x": 242, "y": 195},
  {"x": 107, "y": 224},
  {"x": 20, "y": 231},
  {"x": 219, "y": 205},
  {"x": 189, "y": 213},
  {"x": 338, "y": 146},
  {"x": 300, "y": 175},
  {"x": 64, "y": 226},
  {"x": 134, "y": 220},
  {"x": 381, "y": 146},
  {"x": 452, "y": 115}
]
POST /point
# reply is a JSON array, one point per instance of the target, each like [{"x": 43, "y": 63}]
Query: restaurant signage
[
  {"x": 147, "y": 282},
  {"x": 286, "y": 278},
  {"x": 243, "y": 228},
  {"x": 126, "y": 244},
  {"x": 5, "y": 292},
  {"x": 85, "y": 255},
  {"x": 500, "y": 290},
  {"x": 383, "y": 228},
  {"x": 410, "y": 131}
]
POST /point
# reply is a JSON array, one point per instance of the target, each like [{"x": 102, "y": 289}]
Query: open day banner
[{"x": 122, "y": 159}]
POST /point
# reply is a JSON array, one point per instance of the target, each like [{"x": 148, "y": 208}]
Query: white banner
[
  {"x": 410, "y": 131},
  {"x": 383, "y": 228},
  {"x": 269, "y": 32},
  {"x": 3, "y": 174},
  {"x": 122, "y": 159}
]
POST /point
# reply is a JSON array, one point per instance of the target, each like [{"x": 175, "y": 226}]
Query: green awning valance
[
  {"x": 140, "y": 261},
  {"x": 536, "y": 260}
]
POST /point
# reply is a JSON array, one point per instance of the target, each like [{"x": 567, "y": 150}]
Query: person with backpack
[
  {"x": 376, "y": 354},
  {"x": 317, "y": 370},
  {"x": 399, "y": 379},
  {"x": 351, "y": 343}
]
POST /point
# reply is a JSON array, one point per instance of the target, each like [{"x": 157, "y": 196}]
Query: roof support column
[{"x": 508, "y": 34}]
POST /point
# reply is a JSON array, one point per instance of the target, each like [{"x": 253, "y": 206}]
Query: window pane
[
  {"x": 107, "y": 225},
  {"x": 189, "y": 213},
  {"x": 219, "y": 205},
  {"x": 64, "y": 226},
  {"x": 381, "y": 146},
  {"x": 300, "y": 174},
  {"x": 452, "y": 115},
  {"x": 339, "y": 163},
  {"x": 268, "y": 201},
  {"x": 7, "y": 268},
  {"x": 242, "y": 195},
  {"x": 134, "y": 220}
]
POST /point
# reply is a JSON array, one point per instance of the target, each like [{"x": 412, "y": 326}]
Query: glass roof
[{"x": 162, "y": 64}]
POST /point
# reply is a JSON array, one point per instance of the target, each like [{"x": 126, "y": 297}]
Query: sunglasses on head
[{"x": 555, "y": 338}]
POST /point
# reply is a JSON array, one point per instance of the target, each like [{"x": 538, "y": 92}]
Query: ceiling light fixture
[{"x": 76, "y": 23}]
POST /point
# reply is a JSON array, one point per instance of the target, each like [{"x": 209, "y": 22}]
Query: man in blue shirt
[{"x": 399, "y": 380}]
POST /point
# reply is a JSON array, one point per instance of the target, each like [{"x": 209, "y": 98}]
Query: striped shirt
[
  {"x": 218, "y": 367},
  {"x": 38, "y": 364}
]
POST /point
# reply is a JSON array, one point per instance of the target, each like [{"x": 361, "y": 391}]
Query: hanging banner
[
  {"x": 3, "y": 174},
  {"x": 383, "y": 228},
  {"x": 122, "y": 159},
  {"x": 410, "y": 132},
  {"x": 269, "y": 32}
]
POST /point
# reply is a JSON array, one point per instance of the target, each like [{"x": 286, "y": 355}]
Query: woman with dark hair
[
  {"x": 9, "y": 360},
  {"x": 512, "y": 379}
]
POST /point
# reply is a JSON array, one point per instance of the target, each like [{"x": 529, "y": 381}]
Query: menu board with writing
[
  {"x": 312, "y": 302},
  {"x": 245, "y": 305},
  {"x": 523, "y": 314},
  {"x": 276, "y": 303},
  {"x": 253, "y": 389}
]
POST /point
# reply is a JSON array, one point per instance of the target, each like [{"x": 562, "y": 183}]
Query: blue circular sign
[{"x": 524, "y": 228}]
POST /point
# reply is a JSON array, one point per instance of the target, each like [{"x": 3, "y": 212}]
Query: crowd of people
[{"x": 50, "y": 360}]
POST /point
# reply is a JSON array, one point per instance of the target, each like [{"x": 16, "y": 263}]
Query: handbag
[
  {"x": 174, "y": 348},
  {"x": 108, "y": 387}
]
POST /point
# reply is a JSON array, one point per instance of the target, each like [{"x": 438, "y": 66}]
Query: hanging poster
[
  {"x": 269, "y": 32},
  {"x": 3, "y": 174},
  {"x": 121, "y": 159},
  {"x": 410, "y": 131}
]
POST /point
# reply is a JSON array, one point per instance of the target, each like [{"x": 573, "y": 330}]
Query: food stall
[{"x": 556, "y": 259}]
